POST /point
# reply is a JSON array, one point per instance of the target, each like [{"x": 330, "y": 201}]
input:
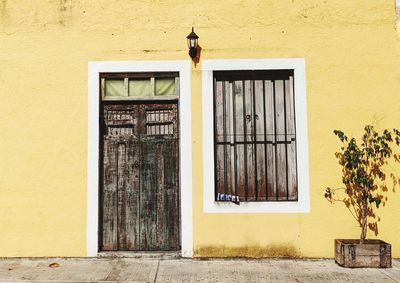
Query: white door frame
[{"x": 185, "y": 153}]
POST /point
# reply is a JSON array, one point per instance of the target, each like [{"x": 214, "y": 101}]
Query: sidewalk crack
[
  {"x": 383, "y": 272},
  {"x": 158, "y": 266},
  {"x": 113, "y": 268}
]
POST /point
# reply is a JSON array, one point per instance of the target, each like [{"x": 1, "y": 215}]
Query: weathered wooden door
[{"x": 140, "y": 177}]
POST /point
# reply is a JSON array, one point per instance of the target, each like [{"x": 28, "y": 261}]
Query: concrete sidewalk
[{"x": 188, "y": 270}]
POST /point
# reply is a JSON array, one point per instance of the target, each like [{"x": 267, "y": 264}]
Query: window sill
[{"x": 300, "y": 206}]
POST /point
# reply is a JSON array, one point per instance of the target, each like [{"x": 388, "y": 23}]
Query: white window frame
[
  {"x": 398, "y": 14},
  {"x": 185, "y": 147},
  {"x": 209, "y": 204}
]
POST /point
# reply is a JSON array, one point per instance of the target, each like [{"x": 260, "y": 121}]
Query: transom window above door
[{"x": 139, "y": 86}]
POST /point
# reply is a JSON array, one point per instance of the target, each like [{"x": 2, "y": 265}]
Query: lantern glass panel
[{"x": 193, "y": 42}]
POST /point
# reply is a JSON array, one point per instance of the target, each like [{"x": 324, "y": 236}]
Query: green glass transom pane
[
  {"x": 165, "y": 86},
  {"x": 140, "y": 87},
  {"x": 114, "y": 87}
]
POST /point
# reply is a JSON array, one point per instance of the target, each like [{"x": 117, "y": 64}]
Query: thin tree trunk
[
  {"x": 363, "y": 232},
  {"x": 363, "y": 223}
]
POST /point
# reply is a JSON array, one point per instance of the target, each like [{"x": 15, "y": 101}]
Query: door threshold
[{"x": 141, "y": 254}]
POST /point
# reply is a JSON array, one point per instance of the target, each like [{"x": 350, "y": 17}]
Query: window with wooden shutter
[{"x": 255, "y": 135}]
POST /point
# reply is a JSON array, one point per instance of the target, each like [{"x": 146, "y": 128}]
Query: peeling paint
[
  {"x": 65, "y": 11},
  {"x": 3, "y": 5},
  {"x": 286, "y": 250},
  {"x": 3, "y": 12}
]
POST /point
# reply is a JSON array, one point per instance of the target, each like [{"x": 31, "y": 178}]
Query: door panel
[{"x": 159, "y": 172}]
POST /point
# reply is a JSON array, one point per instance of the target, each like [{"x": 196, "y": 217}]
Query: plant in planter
[{"x": 365, "y": 168}]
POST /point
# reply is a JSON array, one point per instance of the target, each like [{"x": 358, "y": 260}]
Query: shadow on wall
[
  {"x": 274, "y": 250},
  {"x": 196, "y": 59}
]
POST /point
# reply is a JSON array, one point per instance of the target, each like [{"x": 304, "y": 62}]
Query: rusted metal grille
[{"x": 255, "y": 135}]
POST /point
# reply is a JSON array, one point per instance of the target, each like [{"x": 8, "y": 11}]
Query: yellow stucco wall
[{"x": 352, "y": 58}]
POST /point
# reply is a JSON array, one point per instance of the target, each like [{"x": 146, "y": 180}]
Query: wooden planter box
[{"x": 373, "y": 253}]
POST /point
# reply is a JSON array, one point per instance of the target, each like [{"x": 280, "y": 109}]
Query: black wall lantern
[{"x": 192, "y": 40}]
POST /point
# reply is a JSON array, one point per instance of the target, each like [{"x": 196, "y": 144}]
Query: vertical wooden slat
[
  {"x": 291, "y": 147},
  {"x": 132, "y": 195},
  {"x": 121, "y": 191},
  {"x": 219, "y": 132},
  {"x": 250, "y": 170},
  {"x": 239, "y": 123},
  {"x": 280, "y": 137},
  {"x": 254, "y": 136},
  {"x": 229, "y": 174},
  {"x": 224, "y": 163},
  {"x": 171, "y": 196},
  {"x": 271, "y": 141},
  {"x": 109, "y": 194},
  {"x": 148, "y": 186},
  {"x": 152, "y": 117},
  {"x": 219, "y": 170},
  {"x": 233, "y": 175},
  {"x": 158, "y": 117},
  {"x": 148, "y": 191},
  {"x": 160, "y": 196},
  {"x": 162, "y": 131},
  {"x": 259, "y": 133},
  {"x": 218, "y": 104}
]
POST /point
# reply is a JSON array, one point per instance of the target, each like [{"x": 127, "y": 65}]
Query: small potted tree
[{"x": 365, "y": 168}]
